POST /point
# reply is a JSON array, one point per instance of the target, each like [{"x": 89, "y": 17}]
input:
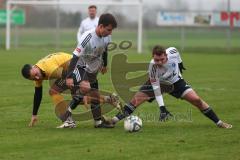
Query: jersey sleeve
[
  {"x": 84, "y": 40},
  {"x": 155, "y": 82},
  {"x": 173, "y": 51},
  {"x": 80, "y": 50},
  {"x": 179, "y": 57}
]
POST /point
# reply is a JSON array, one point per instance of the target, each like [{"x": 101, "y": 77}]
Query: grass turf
[{"x": 189, "y": 136}]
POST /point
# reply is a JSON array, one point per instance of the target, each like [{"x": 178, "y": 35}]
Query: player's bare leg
[
  {"x": 96, "y": 109},
  {"x": 139, "y": 98},
  {"x": 58, "y": 100},
  {"x": 129, "y": 108},
  {"x": 62, "y": 105},
  {"x": 192, "y": 97},
  {"x": 112, "y": 99},
  {"x": 84, "y": 87}
]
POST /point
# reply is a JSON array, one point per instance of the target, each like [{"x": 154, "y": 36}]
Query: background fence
[{"x": 56, "y": 27}]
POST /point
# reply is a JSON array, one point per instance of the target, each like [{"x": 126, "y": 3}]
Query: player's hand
[
  {"x": 69, "y": 82},
  {"x": 33, "y": 121},
  {"x": 104, "y": 70},
  {"x": 164, "y": 116},
  {"x": 85, "y": 102}
]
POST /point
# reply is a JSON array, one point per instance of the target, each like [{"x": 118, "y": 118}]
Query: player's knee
[
  {"x": 197, "y": 101},
  {"x": 84, "y": 87},
  {"x": 139, "y": 98}
]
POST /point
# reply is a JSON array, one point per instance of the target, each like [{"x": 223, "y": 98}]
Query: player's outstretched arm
[
  {"x": 36, "y": 104},
  {"x": 73, "y": 62}
]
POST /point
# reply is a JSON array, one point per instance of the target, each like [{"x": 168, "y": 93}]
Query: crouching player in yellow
[{"x": 54, "y": 66}]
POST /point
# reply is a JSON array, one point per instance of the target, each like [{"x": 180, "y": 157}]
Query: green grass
[
  {"x": 196, "y": 39},
  {"x": 191, "y": 136}
]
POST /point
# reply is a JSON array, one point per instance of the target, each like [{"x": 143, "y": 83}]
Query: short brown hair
[
  {"x": 158, "y": 50},
  {"x": 92, "y": 6},
  {"x": 107, "y": 19}
]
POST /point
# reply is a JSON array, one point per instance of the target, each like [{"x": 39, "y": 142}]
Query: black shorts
[
  {"x": 179, "y": 87},
  {"x": 78, "y": 75}
]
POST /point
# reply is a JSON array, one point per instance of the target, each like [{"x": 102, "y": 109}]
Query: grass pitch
[{"x": 189, "y": 136}]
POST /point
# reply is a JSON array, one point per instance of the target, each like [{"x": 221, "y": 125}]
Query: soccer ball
[{"x": 132, "y": 123}]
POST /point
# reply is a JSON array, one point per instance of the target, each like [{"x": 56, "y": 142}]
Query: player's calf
[
  {"x": 128, "y": 109},
  {"x": 212, "y": 115}
]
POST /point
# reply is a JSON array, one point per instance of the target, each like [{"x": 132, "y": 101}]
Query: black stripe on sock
[{"x": 210, "y": 114}]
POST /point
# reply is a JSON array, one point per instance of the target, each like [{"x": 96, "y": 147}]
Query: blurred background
[{"x": 196, "y": 25}]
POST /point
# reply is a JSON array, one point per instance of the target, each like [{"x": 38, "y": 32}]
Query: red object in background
[
  {"x": 2, "y": 4},
  {"x": 225, "y": 16}
]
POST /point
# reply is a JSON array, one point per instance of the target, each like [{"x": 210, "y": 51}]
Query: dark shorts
[
  {"x": 179, "y": 87},
  {"x": 79, "y": 74}
]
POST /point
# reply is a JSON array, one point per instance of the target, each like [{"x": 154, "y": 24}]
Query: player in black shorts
[
  {"x": 165, "y": 68},
  {"x": 91, "y": 57}
]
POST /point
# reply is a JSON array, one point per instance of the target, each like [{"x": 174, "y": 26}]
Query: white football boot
[{"x": 222, "y": 124}]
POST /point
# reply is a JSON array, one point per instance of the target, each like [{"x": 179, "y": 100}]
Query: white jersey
[
  {"x": 168, "y": 72},
  {"x": 86, "y": 25},
  {"x": 90, "y": 50}
]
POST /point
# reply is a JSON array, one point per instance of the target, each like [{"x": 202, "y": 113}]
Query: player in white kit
[
  {"x": 88, "y": 59},
  {"x": 88, "y": 23},
  {"x": 166, "y": 66}
]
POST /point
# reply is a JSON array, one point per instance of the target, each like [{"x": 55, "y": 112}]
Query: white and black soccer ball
[{"x": 132, "y": 123}]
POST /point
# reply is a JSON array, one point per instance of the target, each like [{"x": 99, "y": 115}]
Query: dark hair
[
  {"x": 26, "y": 70},
  {"x": 92, "y": 6},
  {"x": 107, "y": 19},
  {"x": 158, "y": 50}
]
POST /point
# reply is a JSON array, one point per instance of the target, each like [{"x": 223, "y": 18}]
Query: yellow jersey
[{"x": 53, "y": 66}]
